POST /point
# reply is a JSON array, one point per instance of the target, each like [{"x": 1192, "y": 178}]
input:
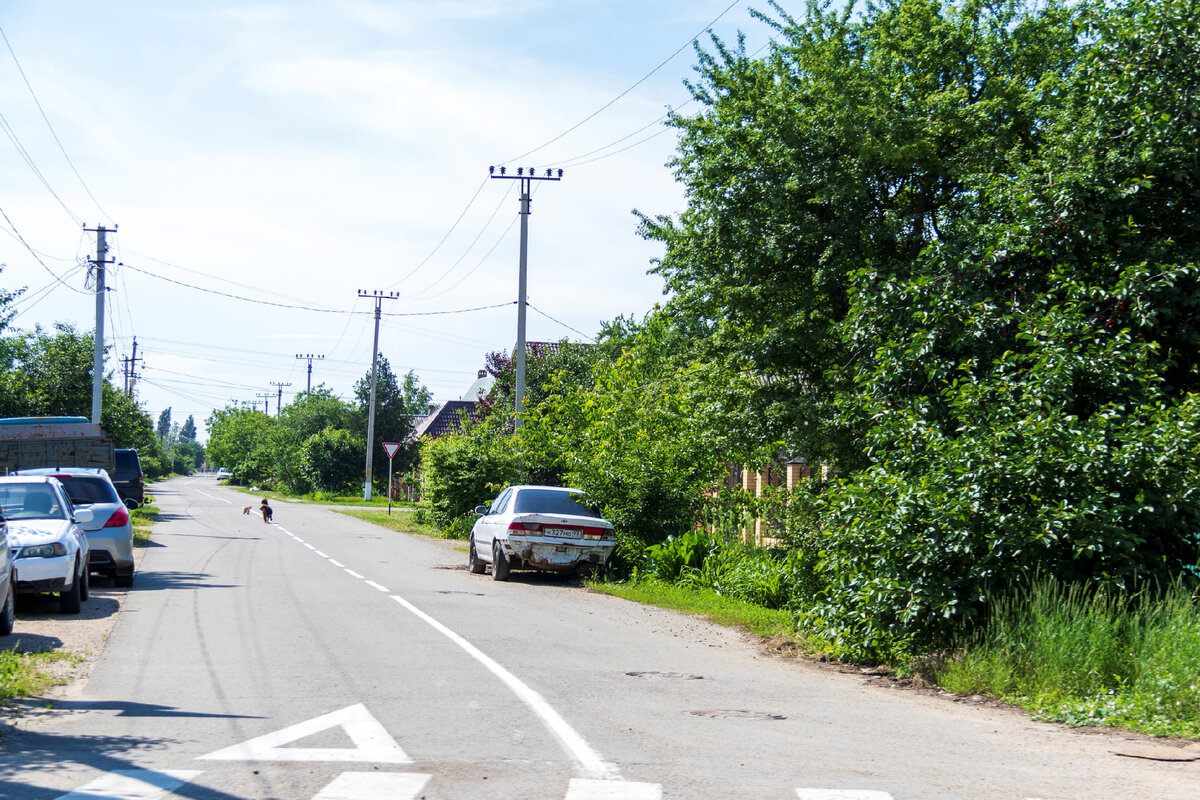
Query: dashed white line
[
  {"x": 375, "y": 585},
  {"x": 310, "y": 547},
  {"x": 353, "y": 574},
  {"x": 214, "y": 497},
  {"x": 337, "y": 563}
]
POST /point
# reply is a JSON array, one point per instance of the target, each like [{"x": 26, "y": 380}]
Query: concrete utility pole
[
  {"x": 131, "y": 369},
  {"x": 98, "y": 349},
  {"x": 310, "y": 358},
  {"x": 526, "y": 177},
  {"x": 266, "y": 398},
  {"x": 379, "y": 298},
  {"x": 279, "y": 402}
]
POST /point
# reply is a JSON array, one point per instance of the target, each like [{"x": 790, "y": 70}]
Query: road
[{"x": 324, "y": 658}]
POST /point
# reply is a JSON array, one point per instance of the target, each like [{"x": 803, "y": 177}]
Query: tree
[
  {"x": 164, "y": 426},
  {"x": 393, "y": 422},
  {"x": 332, "y": 460},
  {"x": 234, "y": 435},
  {"x": 187, "y": 431},
  {"x": 46, "y": 374}
]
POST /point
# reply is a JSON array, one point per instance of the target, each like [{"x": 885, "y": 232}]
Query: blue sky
[{"x": 293, "y": 153}]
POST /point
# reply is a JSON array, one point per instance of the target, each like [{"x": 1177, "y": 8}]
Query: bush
[{"x": 460, "y": 472}]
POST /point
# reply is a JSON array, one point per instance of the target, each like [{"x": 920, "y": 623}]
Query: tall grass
[{"x": 1085, "y": 657}]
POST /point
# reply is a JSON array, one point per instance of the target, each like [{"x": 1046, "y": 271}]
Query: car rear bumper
[{"x": 557, "y": 554}]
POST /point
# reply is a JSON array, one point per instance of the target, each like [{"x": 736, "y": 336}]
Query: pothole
[
  {"x": 655, "y": 674},
  {"x": 725, "y": 713}
]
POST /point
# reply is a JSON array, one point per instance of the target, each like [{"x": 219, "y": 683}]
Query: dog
[
  {"x": 267, "y": 513},
  {"x": 246, "y": 510}
]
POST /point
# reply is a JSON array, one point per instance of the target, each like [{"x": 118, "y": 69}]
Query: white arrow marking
[
  {"x": 374, "y": 786},
  {"x": 133, "y": 784},
  {"x": 371, "y": 742},
  {"x": 841, "y": 794},
  {"x": 581, "y": 789}
]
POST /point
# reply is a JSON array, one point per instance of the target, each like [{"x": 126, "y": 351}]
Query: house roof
[{"x": 445, "y": 419}]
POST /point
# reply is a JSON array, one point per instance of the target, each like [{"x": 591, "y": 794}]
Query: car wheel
[
  {"x": 123, "y": 580},
  {"x": 500, "y": 565},
  {"x": 8, "y": 614},
  {"x": 473, "y": 563},
  {"x": 85, "y": 585},
  {"x": 69, "y": 601}
]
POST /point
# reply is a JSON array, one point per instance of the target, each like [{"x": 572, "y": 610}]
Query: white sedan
[
  {"x": 45, "y": 538},
  {"x": 539, "y": 527}
]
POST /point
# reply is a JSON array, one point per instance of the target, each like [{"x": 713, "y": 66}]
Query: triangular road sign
[
  {"x": 372, "y": 743},
  {"x": 390, "y": 448}
]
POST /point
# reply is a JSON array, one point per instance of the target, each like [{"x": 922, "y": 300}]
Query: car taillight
[
  {"x": 594, "y": 533},
  {"x": 119, "y": 519},
  {"x": 524, "y": 526}
]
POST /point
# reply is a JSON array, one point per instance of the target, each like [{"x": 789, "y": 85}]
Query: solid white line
[
  {"x": 374, "y": 786},
  {"x": 841, "y": 794},
  {"x": 133, "y": 784},
  {"x": 213, "y": 496},
  {"x": 587, "y": 758},
  {"x": 375, "y": 585},
  {"x": 353, "y": 574},
  {"x": 580, "y": 789}
]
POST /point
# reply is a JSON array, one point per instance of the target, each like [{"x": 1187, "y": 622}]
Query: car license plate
[{"x": 561, "y": 533}]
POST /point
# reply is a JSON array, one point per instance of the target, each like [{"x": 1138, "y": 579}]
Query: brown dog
[
  {"x": 266, "y": 511},
  {"x": 246, "y": 510}
]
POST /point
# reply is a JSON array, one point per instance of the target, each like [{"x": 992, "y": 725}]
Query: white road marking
[
  {"x": 337, "y": 563},
  {"x": 214, "y": 497},
  {"x": 353, "y": 574},
  {"x": 581, "y": 789},
  {"x": 372, "y": 742},
  {"x": 133, "y": 784},
  {"x": 318, "y": 552},
  {"x": 375, "y": 585},
  {"x": 841, "y": 794},
  {"x": 374, "y": 786},
  {"x": 310, "y": 547},
  {"x": 587, "y": 758}
]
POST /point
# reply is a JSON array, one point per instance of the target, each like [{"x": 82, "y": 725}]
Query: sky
[{"x": 262, "y": 163}]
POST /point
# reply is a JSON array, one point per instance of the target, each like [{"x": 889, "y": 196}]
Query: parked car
[
  {"x": 8, "y": 587},
  {"x": 46, "y": 539},
  {"x": 128, "y": 478},
  {"x": 110, "y": 531},
  {"x": 539, "y": 527},
  {"x": 224, "y": 473}
]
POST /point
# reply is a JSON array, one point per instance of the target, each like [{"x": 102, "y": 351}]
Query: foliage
[
  {"x": 461, "y": 471},
  {"x": 393, "y": 415},
  {"x": 187, "y": 456},
  {"x": 332, "y": 460},
  {"x": 233, "y": 438}
]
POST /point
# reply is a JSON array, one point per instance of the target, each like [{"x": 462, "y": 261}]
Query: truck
[{"x": 30, "y": 442}]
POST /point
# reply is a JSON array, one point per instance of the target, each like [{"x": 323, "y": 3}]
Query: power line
[
  {"x": 447, "y": 236},
  {"x": 639, "y": 82},
  {"x": 33, "y": 252},
  {"x": 559, "y": 321}
]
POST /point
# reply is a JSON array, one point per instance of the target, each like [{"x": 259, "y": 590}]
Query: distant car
[
  {"x": 539, "y": 527},
  {"x": 45, "y": 538},
  {"x": 110, "y": 531},
  {"x": 128, "y": 478},
  {"x": 8, "y": 586},
  {"x": 224, "y": 473}
]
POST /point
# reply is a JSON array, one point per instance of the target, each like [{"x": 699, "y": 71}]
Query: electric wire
[
  {"x": 46, "y": 119},
  {"x": 639, "y": 82},
  {"x": 36, "y": 257},
  {"x": 559, "y": 321},
  {"x": 420, "y": 294},
  {"x": 438, "y": 246}
]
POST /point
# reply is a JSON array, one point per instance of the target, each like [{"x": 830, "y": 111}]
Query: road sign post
[{"x": 390, "y": 448}]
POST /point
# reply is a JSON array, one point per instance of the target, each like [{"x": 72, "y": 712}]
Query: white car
[
  {"x": 45, "y": 539},
  {"x": 224, "y": 473},
  {"x": 539, "y": 527},
  {"x": 8, "y": 588}
]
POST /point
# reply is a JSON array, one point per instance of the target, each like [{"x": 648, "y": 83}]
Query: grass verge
[
  {"x": 143, "y": 517},
  {"x": 402, "y": 522},
  {"x": 1085, "y": 658},
  {"x": 706, "y": 603},
  {"x": 23, "y": 674}
]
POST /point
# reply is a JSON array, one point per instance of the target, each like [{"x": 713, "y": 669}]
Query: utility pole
[
  {"x": 279, "y": 402},
  {"x": 379, "y": 298},
  {"x": 98, "y": 349},
  {"x": 310, "y": 358},
  {"x": 266, "y": 398},
  {"x": 131, "y": 368},
  {"x": 526, "y": 177}
]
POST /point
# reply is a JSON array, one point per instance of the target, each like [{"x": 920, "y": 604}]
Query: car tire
[
  {"x": 123, "y": 580},
  {"x": 474, "y": 565},
  {"x": 70, "y": 602},
  {"x": 500, "y": 565},
  {"x": 85, "y": 585},
  {"x": 8, "y": 614}
]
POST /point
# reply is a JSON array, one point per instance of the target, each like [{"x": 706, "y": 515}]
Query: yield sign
[
  {"x": 371, "y": 742},
  {"x": 390, "y": 448}
]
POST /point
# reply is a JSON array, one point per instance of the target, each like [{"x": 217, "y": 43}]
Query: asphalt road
[{"x": 323, "y": 658}]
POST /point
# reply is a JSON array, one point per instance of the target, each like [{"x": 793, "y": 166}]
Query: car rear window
[
  {"x": 84, "y": 490},
  {"x": 551, "y": 501}
]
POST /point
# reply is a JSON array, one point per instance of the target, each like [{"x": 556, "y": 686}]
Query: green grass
[
  {"x": 1089, "y": 659},
  {"x": 706, "y": 603},
  {"x": 22, "y": 674},
  {"x": 143, "y": 519},
  {"x": 398, "y": 520}
]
